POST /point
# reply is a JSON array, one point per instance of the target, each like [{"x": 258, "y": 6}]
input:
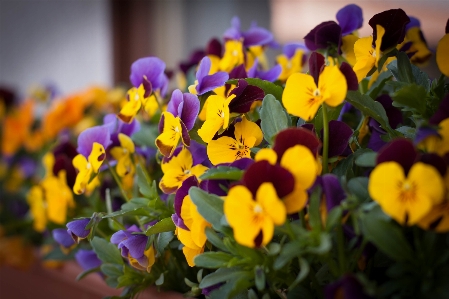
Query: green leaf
[
  {"x": 146, "y": 187},
  {"x": 259, "y": 278},
  {"x": 160, "y": 280},
  {"x": 87, "y": 272},
  {"x": 411, "y": 97},
  {"x": 222, "y": 173},
  {"x": 146, "y": 136},
  {"x": 334, "y": 218},
  {"x": 209, "y": 206},
  {"x": 222, "y": 275},
  {"x": 142, "y": 211},
  {"x": 288, "y": 252},
  {"x": 379, "y": 84},
  {"x": 106, "y": 252},
  {"x": 359, "y": 187},
  {"x": 314, "y": 209},
  {"x": 408, "y": 132},
  {"x": 273, "y": 117},
  {"x": 135, "y": 203},
  {"x": 402, "y": 68},
  {"x": 386, "y": 235},
  {"x": 165, "y": 225},
  {"x": 212, "y": 260},
  {"x": 384, "y": 58},
  {"x": 163, "y": 239},
  {"x": 112, "y": 270},
  {"x": 267, "y": 86},
  {"x": 324, "y": 246},
  {"x": 369, "y": 107},
  {"x": 215, "y": 240},
  {"x": 367, "y": 159},
  {"x": 304, "y": 269}
]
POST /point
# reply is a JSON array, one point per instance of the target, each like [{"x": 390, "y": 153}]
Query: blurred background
[{"x": 76, "y": 43}]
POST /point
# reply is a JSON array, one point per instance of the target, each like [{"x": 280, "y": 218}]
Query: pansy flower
[
  {"x": 406, "y": 190},
  {"x": 233, "y": 55},
  {"x": 91, "y": 148},
  {"x": 304, "y": 94},
  {"x": 255, "y": 36},
  {"x": 64, "y": 239},
  {"x": 268, "y": 75},
  {"x": 442, "y": 50},
  {"x": 205, "y": 80},
  {"x": 87, "y": 259},
  {"x": 77, "y": 229},
  {"x": 123, "y": 155},
  {"x": 393, "y": 23},
  {"x": 323, "y": 36},
  {"x": 292, "y": 59},
  {"x": 418, "y": 52},
  {"x": 227, "y": 150},
  {"x": 178, "y": 169},
  {"x": 137, "y": 96},
  {"x": 148, "y": 72},
  {"x": 350, "y": 18}
]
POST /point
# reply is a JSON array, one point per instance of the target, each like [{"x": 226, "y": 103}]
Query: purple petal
[
  {"x": 182, "y": 192},
  {"x": 295, "y": 136},
  {"x": 198, "y": 151},
  {"x": 119, "y": 236},
  {"x": 215, "y": 186},
  {"x": 400, "y": 150},
  {"x": 238, "y": 72},
  {"x": 178, "y": 221},
  {"x": 350, "y": 76},
  {"x": 242, "y": 164},
  {"x": 233, "y": 33},
  {"x": 394, "y": 22},
  {"x": 136, "y": 245},
  {"x": 375, "y": 141},
  {"x": 414, "y": 22},
  {"x": 150, "y": 67},
  {"x": 346, "y": 108},
  {"x": 290, "y": 49},
  {"x": 87, "y": 138},
  {"x": 211, "y": 82},
  {"x": 190, "y": 110},
  {"x": 262, "y": 171},
  {"x": 203, "y": 68},
  {"x": 77, "y": 228},
  {"x": 316, "y": 65},
  {"x": 269, "y": 75},
  {"x": 63, "y": 237},
  {"x": 257, "y": 36},
  {"x": 350, "y": 18},
  {"x": 332, "y": 190},
  {"x": 87, "y": 259},
  {"x": 245, "y": 96},
  {"x": 175, "y": 101},
  {"x": 339, "y": 135},
  {"x": 424, "y": 132}
]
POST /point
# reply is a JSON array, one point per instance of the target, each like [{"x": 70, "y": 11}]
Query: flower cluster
[{"x": 325, "y": 174}]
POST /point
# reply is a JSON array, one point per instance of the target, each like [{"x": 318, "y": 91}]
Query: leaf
[
  {"x": 142, "y": 211},
  {"x": 379, "y": 84},
  {"x": 408, "y": 132},
  {"x": 386, "y": 235},
  {"x": 160, "y": 280},
  {"x": 273, "y": 117},
  {"x": 215, "y": 240},
  {"x": 314, "y": 209},
  {"x": 288, "y": 252},
  {"x": 411, "y": 97},
  {"x": 334, "y": 218},
  {"x": 402, "y": 68},
  {"x": 367, "y": 159},
  {"x": 135, "y": 203},
  {"x": 359, "y": 187},
  {"x": 222, "y": 173},
  {"x": 163, "y": 239},
  {"x": 165, "y": 225},
  {"x": 146, "y": 187},
  {"x": 212, "y": 260},
  {"x": 267, "y": 86},
  {"x": 222, "y": 275},
  {"x": 146, "y": 136},
  {"x": 112, "y": 270},
  {"x": 304, "y": 269},
  {"x": 87, "y": 272},
  {"x": 324, "y": 246},
  {"x": 208, "y": 205},
  {"x": 369, "y": 107},
  {"x": 384, "y": 58},
  {"x": 259, "y": 278},
  {"x": 106, "y": 252}
]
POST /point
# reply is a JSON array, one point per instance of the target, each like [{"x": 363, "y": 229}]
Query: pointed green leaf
[
  {"x": 273, "y": 117},
  {"x": 165, "y": 225},
  {"x": 222, "y": 173},
  {"x": 212, "y": 260},
  {"x": 106, "y": 252},
  {"x": 209, "y": 206}
]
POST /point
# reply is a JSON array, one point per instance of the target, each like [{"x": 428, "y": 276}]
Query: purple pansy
[
  {"x": 290, "y": 49},
  {"x": 63, "y": 238},
  {"x": 86, "y": 139},
  {"x": 322, "y": 36},
  {"x": 182, "y": 192},
  {"x": 350, "y": 18},
  {"x": 347, "y": 287},
  {"x": 332, "y": 190},
  {"x": 87, "y": 259},
  {"x": 27, "y": 167},
  {"x": 245, "y": 95},
  {"x": 255, "y": 36},
  {"x": 77, "y": 229},
  {"x": 394, "y": 22},
  {"x": 339, "y": 135},
  {"x": 150, "y": 69},
  {"x": 184, "y": 105},
  {"x": 268, "y": 75},
  {"x": 130, "y": 244},
  {"x": 208, "y": 82}
]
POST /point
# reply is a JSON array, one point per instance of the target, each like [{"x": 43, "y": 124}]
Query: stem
[
  {"x": 315, "y": 283},
  {"x": 117, "y": 180},
  {"x": 325, "y": 139},
  {"x": 341, "y": 249}
]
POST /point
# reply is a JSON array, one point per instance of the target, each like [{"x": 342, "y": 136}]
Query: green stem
[
  {"x": 315, "y": 283},
  {"x": 325, "y": 139},
  {"x": 341, "y": 249},
  {"x": 117, "y": 180}
]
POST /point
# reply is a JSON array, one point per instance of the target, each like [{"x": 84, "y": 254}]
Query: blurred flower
[
  {"x": 185, "y": 106},
  {"x": 173, "y": 129},
  {"x": 233, "y": 55},
  {"x": 350, "y": 18},
  {"x": 393, "y": 22},
  {"x": 64, "y": 239},
  {"x": 323, "y": 36},
  {"x": 77, "y": 229},
  {"x": 148, "y": 70},
  {"x": 255, "y": 36},
  {"x": 292, "y": 60},
  {"x": 123, "y": 155},
  {"x": 442, "y": 50},
  {"x": 206, "y": 80},
  {"x": 87, "y": 259}
]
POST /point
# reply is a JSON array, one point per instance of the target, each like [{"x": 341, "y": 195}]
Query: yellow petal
[
  {"x": 300, "y": 161},
  {"x": 167, "y": 141},
  {"x": 97, "y": 156},
  {"x": 48, "y": 161},
  {"x": 151, "y": 105},
  {"x": 437, "y": 219},
  {"x": 442, "y": 56},
  {"x": 130, "y": 109},
  {"x": 365, "y": 60},
  {"x": 380, "y": 34},
  {"x": 298, "y": 97},
  {"x": 35, "y": 199},
  {"x": 225, "y": 150},
  {"x": 266, "y": 154},
  {"x": 332, "y": 84},
  {"x": 428, "y": 182},
  {"x": 186, "y": 211},
  {"x": 198, "y": 170},
  {"x": 297, "y": 200},
  {"x": 246, "y": 129},
  {"x": 271, "y": 204},
  {"x": 442, "y": 146},
  {"x": 83, "y": 176},
  {"x": 126, "y": 142},
  {"x": 209, "y": 128},
  {"x": 198, "y": 226},
  {"x": 347, "y": 47},
  {"x": 190, "y": 254}
]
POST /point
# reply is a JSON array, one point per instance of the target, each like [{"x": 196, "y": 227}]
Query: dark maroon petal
[
  {"x": 238, "y": 72},
  {"x": 339, "y": 135},
  {"x": 309, "y": 39},
  {"x": 316, "y": 65},
  {"x": 182, "y": 192},
  {"x": 148, "y": 87},
  {"x": 394, "y": 22},
  {"x": 393, "y": 113},
  {"x": 327, "y": 35},
  {"x": 400, "y": 150},
  {"x": 185, "y": 134},
  {"x": 214, "y": 47},
  {"x": 436, "y": 161},
  {"x": 295, "y": 136},
  {"x": 262, "y": 171},
  {"x": 309, "y": 127},
  {"x": 442, "y": 111},
  {"x": 65, "y": 163},
  {"x": 161, "y": 124},
  {"x": 351, "y": 77},
  {"x": 245, "y": 96},
  {"x": 65, "y": 148}
]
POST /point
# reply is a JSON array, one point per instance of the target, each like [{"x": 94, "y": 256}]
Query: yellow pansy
[
  {"x": 173, "y": 130},
  {"x": 86, "y": 167},
  {"x": 233, "y": 55},
  {"x": 442, "y": 57},
  {"x": 123, "y": 155},
  {"x": 136, "y": 97},
  {"x": 367, "y": 57},
  {"x": 290, "y": 66}
]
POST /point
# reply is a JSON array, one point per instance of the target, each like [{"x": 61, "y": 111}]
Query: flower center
[
  {"x": 136, "y": 97},
  {"x": 222, "y": 114},
  {"x": 408, "y": 192},
  {"x": 187, "y": 172},
  {"x": 88, "y": 166},
  {"x": 176, "y": 129},
  {"x": 258, "y": 209},
  {"x": 316, "y": 93},
  {"x": 235, "y": 52}
]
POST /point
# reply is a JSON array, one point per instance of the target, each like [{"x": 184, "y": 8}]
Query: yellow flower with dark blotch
[
  {"x": 146, "y": 262},
  {"x": 407, "y": 199},
  {"x": 178, "y": 169},
  {"x": 217, "y": 116},
  {"x": 173, "y": 130},
  {"x": 418, "y": 47},
  {"x": 437, "y": 219},
  {"x": 366, "y": 56},
  {"x": 150, "y": 105},
  {"x": 227, "y": 150},
  {"x": 193, "y": 239},
  {"x": 87, "y": 167},
  {"x": 438, "y": 143},
  {"x": 136, "y": 97},
  {"x": 442, "y": 57},
  {"x": 302, "y": 97},
  {"x": 256, "y": 52},
  {"x": 253, "y": 219},
  {"x": 347, "y": 47},
  {"x": 233, "y": 55},
  {"x": 290, "y": 66},
  {"x": 123, "y": 155}
]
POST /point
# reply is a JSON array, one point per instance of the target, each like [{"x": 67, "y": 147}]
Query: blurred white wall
[{"x": 67, "y": 42}]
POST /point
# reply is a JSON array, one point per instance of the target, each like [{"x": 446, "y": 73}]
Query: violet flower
[
  {"x": 182, "y": 192},
  {"x": 350, "y": 18},
  {"x": 87, "y": 259},
  {"x": 255, "y": 36},
  {"x": 86, "y": 139},
  {"x": 324, "y": 35},
  {"x": 186, "y": 106},
  {"x": 268, "y": 75},
  {"x": 63, "y": 238},
  {"x": 130, "y": 245},
  {"x": 77, "y": 229},
  {"x": 150, "y": 69},
  {"x": 208, "y": 82}
]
